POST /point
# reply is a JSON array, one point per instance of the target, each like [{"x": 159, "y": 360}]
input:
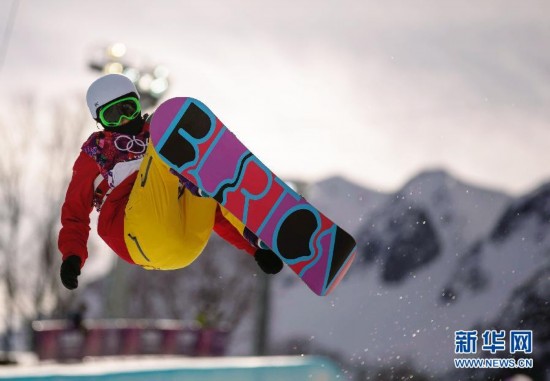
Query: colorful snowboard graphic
[{"x": 194, "y": 142}]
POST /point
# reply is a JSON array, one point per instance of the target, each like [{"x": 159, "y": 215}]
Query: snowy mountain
[
  {"x": 346, "y": 203},
  {"x": 437, "y": 256}
]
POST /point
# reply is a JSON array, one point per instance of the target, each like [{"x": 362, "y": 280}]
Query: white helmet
[{"x": 106, "y": 88}]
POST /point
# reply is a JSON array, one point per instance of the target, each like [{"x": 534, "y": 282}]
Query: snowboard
[{"x": 191, "y": 140}]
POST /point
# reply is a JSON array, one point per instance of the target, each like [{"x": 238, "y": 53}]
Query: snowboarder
[{"x": 148, "y": 214}]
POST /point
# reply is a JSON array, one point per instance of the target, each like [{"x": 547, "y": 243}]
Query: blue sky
[{"x": 373, "y": 91}]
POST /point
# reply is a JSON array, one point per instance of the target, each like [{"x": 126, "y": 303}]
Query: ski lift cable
[{"x": 7, "y": 32}]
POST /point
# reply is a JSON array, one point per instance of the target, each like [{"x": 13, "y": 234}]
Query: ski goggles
[{"x": 112, "y": 114}]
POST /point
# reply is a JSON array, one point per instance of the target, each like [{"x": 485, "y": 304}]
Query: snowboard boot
[{"x": 268, "y": 261}]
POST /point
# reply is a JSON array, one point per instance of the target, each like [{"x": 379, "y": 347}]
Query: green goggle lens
[{"x": 112, "y": 114}]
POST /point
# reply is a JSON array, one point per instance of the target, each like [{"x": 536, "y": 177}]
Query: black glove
[
  {"x": 268, "y": 261},
  {"x": 70, "y": 270}
]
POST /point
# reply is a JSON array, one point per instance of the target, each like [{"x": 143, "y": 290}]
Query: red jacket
[{"x": 87, "y": 189}]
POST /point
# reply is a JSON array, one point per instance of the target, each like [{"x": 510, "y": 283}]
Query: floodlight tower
[{"x": 152, "y": 81}]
